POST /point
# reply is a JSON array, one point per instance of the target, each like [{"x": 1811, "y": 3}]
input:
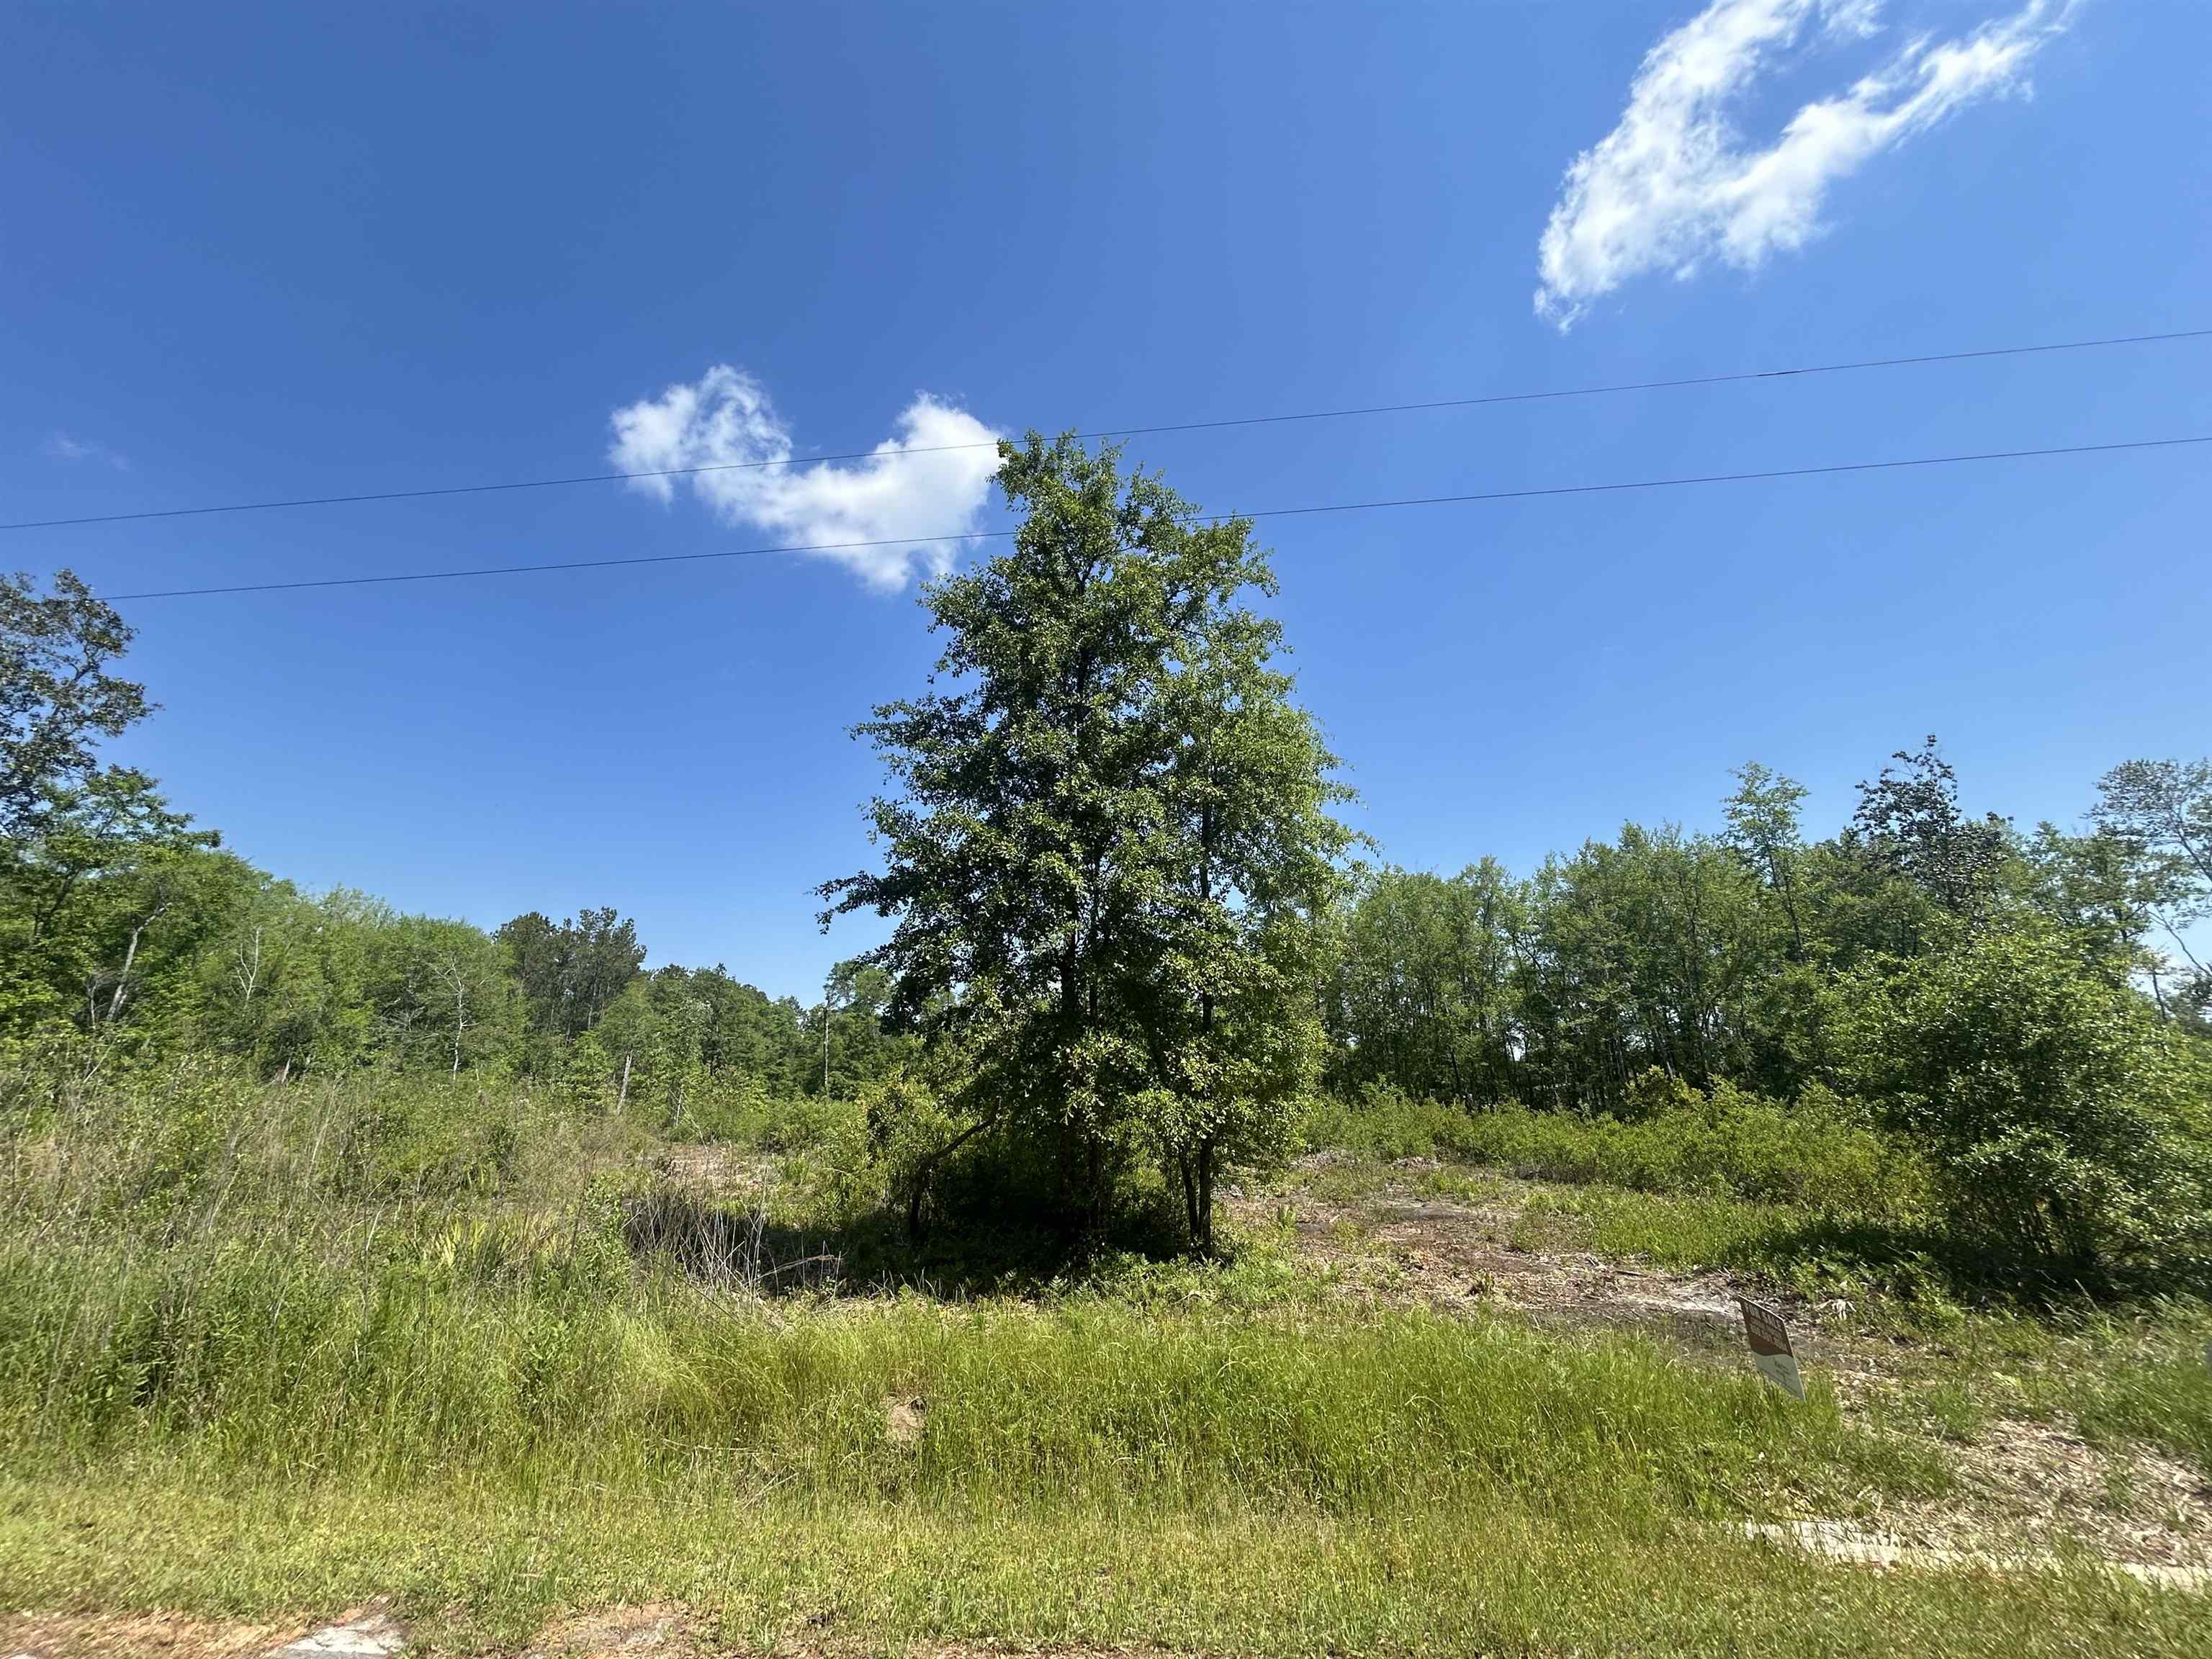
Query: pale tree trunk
[
  {"x": 450, "y": 970},
  {"x": 129, "y": 956},
  {"x": 247, "y": 972}
]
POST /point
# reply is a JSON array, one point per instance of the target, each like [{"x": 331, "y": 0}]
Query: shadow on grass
[
  {"x": 1007, "y": 1250},
  {"x": 1923, "y": 1264}
]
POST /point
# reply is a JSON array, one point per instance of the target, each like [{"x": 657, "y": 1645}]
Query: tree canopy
[
  {"x": 1110, "y": 843},
  {"x": 1126, "y": 941}
]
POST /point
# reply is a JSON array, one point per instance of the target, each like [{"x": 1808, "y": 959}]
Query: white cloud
[
  {"x": 63, "y": 447},
  {"x": 1674, "y": 184},
  {"x": 928, "y": 482}
]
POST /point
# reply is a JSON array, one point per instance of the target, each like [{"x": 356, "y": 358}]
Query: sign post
[{"x": 1771, "y": 1351}]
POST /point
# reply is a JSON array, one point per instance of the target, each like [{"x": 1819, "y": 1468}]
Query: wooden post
[{"x": 622, "y": 1099}]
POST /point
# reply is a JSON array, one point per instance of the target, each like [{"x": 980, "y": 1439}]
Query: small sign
[{"x": 1769, "y": 1347}]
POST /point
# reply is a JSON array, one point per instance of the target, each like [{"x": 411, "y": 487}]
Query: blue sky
[{"x": 295, "y": 251}]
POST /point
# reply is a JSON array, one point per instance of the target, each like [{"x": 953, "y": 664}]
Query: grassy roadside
[
  {"x": 1350, "y": 1412},
  {"x": 477, "y": 1565},
  {"x": 1153, "y": 1467}
]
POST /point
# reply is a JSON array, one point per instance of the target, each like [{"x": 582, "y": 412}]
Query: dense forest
[
  {"x": 1721, "y": 957},
  {"x": 1129, "y": 933}
]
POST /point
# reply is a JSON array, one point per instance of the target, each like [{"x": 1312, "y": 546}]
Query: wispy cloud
[
  {"x": 1674, "y": 184},
  {"x": 929, "y": 481},
  {"x": 60, "y": 446}
]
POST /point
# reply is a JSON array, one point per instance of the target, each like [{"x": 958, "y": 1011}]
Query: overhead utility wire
[
  {"x": 1125, "y": 431},
  {"x": 1209, "y": 518}
]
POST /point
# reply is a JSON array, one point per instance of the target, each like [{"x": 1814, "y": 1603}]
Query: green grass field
[{"x": 267, "y": 1353}]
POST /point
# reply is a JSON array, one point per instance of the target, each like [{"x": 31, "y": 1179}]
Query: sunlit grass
[
  {"x": 477, "y": 1564},
  {"x": 269, "y": 1351}
]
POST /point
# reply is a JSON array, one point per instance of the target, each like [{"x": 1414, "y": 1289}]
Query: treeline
[
  {"x": 150, "y": 940},
  {"x": 128, "y": 934},
  {"x": 2022, "y": 1011},
  {"x": 1727, "y": 958},
  {"x": 1128, "y": 951}
]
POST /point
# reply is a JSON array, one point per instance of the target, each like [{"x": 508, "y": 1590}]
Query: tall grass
[
  {"x": 273, "y": 1348},
  {"x": 1816, "y": 1153},
  {"x": 377, "y": 1376},
  {"x": 320, "y": 1281}
]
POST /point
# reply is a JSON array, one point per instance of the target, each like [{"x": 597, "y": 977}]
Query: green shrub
[
  {"x": 2060, "y": 1118},
  {"x": 1655, "y": 1092},
  {"x": 1819, "y": 1151},
  {"x": 910, "y": 1135},
  {"x": 1385, "y": 1124}
]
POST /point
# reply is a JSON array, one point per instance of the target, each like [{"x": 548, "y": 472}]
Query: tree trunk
[
  {"x": 1094, "y": 1181},
  {"x": 1204, "y": 1231},
  {"x": 129, "y": 956},
  {"x": 918, "y": 1192},
  {"x": 460, "y": 1017}
]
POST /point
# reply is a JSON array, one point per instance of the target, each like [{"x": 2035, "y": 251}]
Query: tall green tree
[
  {"x": 1909, "y": 822},
  {"x": 289, "y": 983},
  {"x": 1762, "y": 826},
  {"x": 444, "y": 993},
  {"x": 1109, "y": 842},
  {"x": 104, "y": 889},
  {"x": 2102, "y": 891},
  {"x": 571, "y": 971},
  {"x": 56, "y": 696},
  {"x": 1651, "y": 952},
  {"x": 2162, "y": 812},
  {"x": 1425, "y": 996}
]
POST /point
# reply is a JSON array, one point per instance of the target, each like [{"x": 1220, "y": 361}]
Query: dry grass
[{"x": 138, "y": 1636}]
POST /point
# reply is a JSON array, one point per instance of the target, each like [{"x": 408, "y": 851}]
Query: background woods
[{"x": 1128, "y": 950}]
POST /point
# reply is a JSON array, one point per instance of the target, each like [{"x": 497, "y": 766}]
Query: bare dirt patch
[
  {"x": 1396, "y": 1244},
  {"x": 1840, "y": 1540},
  {"x": 137, "y": 1636},
  {"x": 2022, "y": 1486},
  {"x": 2032, "y": 1485},
  {"x": 904, "y": 1418},
  {"x": 658, "y": 1629}
]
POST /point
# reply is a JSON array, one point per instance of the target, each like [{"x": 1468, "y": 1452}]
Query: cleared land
[{"x": 1425, "y": 1406}]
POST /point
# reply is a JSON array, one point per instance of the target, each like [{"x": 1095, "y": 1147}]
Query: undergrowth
[
  {"x": 1818, "y": 1152},
  {"x": 400, "y": 1311}
]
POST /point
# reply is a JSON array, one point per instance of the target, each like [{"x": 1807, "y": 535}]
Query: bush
[
  {"x": 909, "y": 1130},
  {"x": 1818, "y": 1152},
  {"x": 1655, "y": 1092},
  {"x": 2059, "y": 1115},
  {"x": 1386, "y": 1124}
]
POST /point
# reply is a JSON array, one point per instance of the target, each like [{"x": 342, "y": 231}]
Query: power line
[
  {"x": 1529, "y": 494},
  {"x": 1128, "y": 431}
]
